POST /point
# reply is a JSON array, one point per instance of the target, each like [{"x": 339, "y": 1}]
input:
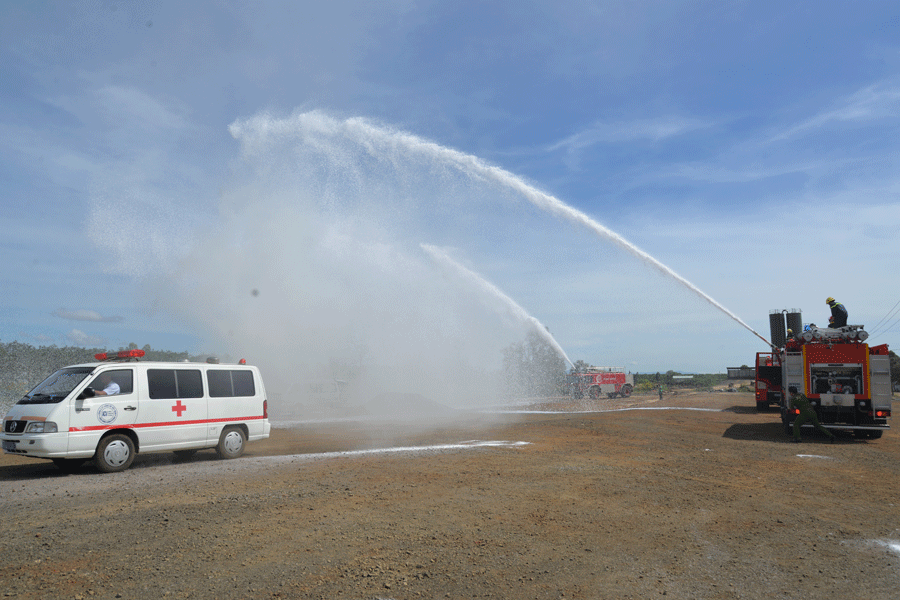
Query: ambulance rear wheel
[
  {"x": 232, "y": 443},
  {"x": 114, "y": 453}
]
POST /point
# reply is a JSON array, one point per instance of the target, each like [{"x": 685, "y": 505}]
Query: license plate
[{"x": 9, "y": 446}]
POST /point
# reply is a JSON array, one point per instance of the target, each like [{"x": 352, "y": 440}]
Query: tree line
[
  {"x": 532, "y": 368},
  {"x": 22, "y": 366}
]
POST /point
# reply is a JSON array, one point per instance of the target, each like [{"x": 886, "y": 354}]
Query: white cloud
[
  {"x": 80, "y": 338},
  {"x": 122, "y": 104},
  {"x": 873, "y": 103},
  {"x": 40, "y": 338},
  {"x": 85, "y": 315},
  {"x": 654, "y": 130}
]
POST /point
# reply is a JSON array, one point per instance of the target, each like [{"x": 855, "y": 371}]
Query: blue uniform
[{"x": 838, "y": 314}]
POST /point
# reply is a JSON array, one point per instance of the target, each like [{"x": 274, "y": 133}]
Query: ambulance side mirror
[{"x": 86, "y": 393}]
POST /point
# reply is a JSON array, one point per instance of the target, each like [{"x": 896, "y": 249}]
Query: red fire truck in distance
[
  {"x": 594, "y": 381},
  {"x": 847, "y": 382}
]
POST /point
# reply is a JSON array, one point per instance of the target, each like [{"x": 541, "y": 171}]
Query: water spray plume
[
  {"x": 373, "y": 136},
  {"x": 491, "y": 290}
]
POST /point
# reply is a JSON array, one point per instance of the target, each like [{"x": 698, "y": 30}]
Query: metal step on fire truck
[
  {"x": 594, "y": 381},
  {"x": 847, "y": 382}
]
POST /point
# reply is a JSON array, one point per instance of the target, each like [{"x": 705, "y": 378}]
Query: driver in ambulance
[{"x": 110, "y": 387}]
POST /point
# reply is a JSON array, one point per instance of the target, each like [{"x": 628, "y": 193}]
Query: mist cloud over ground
[{"x": 311, "y": 265}]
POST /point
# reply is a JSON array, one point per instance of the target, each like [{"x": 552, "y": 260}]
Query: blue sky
[{"x": 165, "y": 165}]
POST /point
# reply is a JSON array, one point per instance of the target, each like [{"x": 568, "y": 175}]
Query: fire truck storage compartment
[
  {"x": 836, "y": 379},
  {"x": 880, "y": 380}
]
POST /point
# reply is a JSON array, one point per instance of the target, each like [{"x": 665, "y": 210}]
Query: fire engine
[
  {"x": 847, "y": 382},
  {"x": 594, "y": 381}
]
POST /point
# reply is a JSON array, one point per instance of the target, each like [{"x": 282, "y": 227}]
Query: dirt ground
[{"x": 694, "y": 496}]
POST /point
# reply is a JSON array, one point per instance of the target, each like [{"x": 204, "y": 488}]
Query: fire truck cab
[{"x": 595, "y": 381}]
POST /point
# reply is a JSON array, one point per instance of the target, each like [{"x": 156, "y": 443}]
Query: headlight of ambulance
[{"x": 41, "y": 427}]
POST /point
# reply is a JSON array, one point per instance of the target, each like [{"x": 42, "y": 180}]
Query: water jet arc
[
  {"x": 490, "y": 289},
  {"x": 372, "y": 136}
]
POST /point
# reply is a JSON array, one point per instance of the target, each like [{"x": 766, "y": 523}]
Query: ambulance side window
[
  {"x": 190, "y": 384},
  {"x": 243, "y": 383},
  {"x": 124, "y": 379},
  {"x": 230, "y": 383},
  {"x": 174, "y": 383}
]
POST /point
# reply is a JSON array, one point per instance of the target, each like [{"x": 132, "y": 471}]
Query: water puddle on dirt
[
  {"x": 467, "y": 445},
  {"x": 892, "y": 545},
  {"x": 586, "y": 412}
]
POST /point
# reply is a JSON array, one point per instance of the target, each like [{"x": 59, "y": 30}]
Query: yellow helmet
[{"x": 829, "y": 300}]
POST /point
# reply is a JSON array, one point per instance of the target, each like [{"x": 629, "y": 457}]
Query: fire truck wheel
[
  {"x": 626, "y": 390},
  {"x": 788, "y": 428},
  {"x": 232, "y": 443},
  {"x": 595, "y": 393},
  {"x": 114, "y": 453}
]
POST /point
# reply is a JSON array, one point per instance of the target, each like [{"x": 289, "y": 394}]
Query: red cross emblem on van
[{"x": 179, "y": 408}]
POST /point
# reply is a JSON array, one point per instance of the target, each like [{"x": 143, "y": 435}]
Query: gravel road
[{"x": 705, "y": 499}]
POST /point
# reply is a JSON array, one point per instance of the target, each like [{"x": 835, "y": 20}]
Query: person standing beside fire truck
[
  {"x": 838, "y": 313},
  {"x": 805, "y": 414}
]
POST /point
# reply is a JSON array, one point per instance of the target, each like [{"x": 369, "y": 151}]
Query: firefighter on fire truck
[{"x": 838, "y": 313}]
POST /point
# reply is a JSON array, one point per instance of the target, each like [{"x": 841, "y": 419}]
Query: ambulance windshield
[{"x": 57, "y": 386}]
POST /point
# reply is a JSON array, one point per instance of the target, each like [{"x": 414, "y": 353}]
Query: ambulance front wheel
[
  {"x": 232, "y": 443},
  {"x": 114, "y": 453}
]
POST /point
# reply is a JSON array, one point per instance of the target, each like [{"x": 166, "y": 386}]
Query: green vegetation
[
  {"x": 23, "y": 366},
  {"x": 670, "y": 380}
]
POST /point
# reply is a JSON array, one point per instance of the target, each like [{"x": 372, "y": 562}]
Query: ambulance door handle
[
  {"x": 82, "y": 410},
  {"x": 131, "y": 408}
]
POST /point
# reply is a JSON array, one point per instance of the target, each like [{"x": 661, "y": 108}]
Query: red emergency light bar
[{"x": 120, "y": 354}]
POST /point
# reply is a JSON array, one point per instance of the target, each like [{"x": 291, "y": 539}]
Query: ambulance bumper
[{"x": 45, "y": 445}]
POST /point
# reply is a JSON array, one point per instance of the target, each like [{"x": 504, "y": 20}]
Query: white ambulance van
[{"x": 110, "y": 410}]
